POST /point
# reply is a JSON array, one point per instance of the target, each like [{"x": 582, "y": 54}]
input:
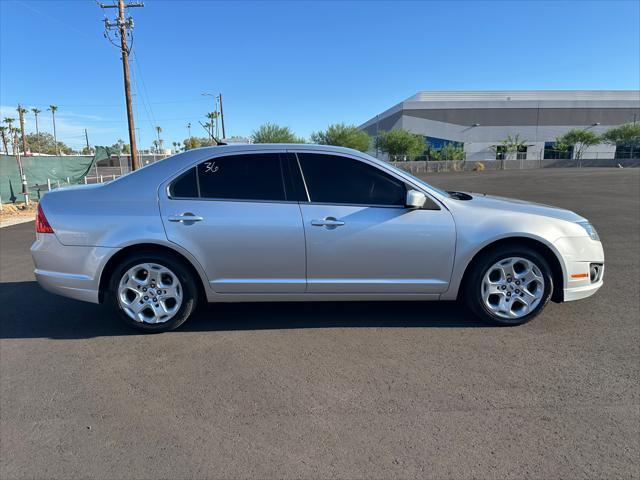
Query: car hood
[{"x": 521, "y": 206}]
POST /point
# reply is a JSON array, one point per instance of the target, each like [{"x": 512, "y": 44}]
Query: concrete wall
[{"x": 478, "y": 140}]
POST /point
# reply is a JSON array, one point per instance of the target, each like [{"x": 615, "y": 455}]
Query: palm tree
[
  {"x": 213, "y": 117},
  {"x": 3, "y": 133},
  {"x": 209, "y": 127},
  {"x": 53, "y": 109},
  {"x": 21, "y": 111},
  {"x": 36, "y": 112},
  {"x": 13, "y": 135},
  {"x": 158, "y": 131},
  {"x": 9, "y": 121}
]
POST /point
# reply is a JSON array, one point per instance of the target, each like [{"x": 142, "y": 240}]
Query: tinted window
[
  {"x": 335, "y": 179},
  {"x": 185, "y": 185},
  {"x": 295, "y": 184},
  {"x": 552, "y": 153},
  {"x": 242, "y": 177}
]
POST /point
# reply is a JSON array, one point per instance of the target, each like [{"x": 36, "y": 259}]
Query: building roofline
[
  {"x": 515, "y": 95},
  {"x": 495, "y": 99}
]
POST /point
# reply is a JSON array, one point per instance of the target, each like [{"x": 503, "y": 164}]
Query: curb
[{"x": 15, "y": 221}]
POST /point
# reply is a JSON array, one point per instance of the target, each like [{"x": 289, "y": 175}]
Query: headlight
[{"x": 590, "y": 230}]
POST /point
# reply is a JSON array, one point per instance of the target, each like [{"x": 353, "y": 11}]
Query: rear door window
[
  {"x": 251, "y": 176},
  {"x": 243, "y": 177}
]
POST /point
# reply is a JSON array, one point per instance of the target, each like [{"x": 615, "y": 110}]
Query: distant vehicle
[{"x": 247, "y": 223}]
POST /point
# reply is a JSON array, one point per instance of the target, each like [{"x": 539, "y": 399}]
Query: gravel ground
[{"x": 367, "y": 390}]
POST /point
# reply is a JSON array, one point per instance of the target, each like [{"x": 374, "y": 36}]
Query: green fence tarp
[{"x": 38, "y": 169}]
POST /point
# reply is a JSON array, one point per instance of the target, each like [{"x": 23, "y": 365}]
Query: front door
[
  {"x": 236, "y": 215},
  {"x": 361, "y": 239}
]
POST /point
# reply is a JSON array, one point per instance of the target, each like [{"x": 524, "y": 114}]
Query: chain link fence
[
  {"x": 627, "y": 157},
  {"x": 422, "y": 166}
]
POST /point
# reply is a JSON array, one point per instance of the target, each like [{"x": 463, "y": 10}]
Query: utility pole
[
  {"x": 122, "y": 25},
  {"x": 224, "y": 135}
]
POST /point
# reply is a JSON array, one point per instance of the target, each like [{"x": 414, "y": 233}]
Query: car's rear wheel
[
  {"x": 509, "y": 286},
  {"x": 153, "y": 292}
]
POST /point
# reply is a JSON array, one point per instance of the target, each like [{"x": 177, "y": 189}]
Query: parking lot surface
[{"x": 331, "y": 390}]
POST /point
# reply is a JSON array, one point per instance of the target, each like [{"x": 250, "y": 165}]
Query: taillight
[{"x": 42, "y": 224}]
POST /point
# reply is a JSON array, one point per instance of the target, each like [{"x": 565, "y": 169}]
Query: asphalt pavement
[{"x": 335, "y": 390}]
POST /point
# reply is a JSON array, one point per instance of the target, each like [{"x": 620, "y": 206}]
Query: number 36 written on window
[{"x": 211, "y": 167}]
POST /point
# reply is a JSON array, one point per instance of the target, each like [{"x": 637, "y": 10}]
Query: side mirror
[{"x": 415, "y": 199}]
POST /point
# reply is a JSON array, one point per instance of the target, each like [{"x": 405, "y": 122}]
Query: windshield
[{"x": 418, "y": 180}]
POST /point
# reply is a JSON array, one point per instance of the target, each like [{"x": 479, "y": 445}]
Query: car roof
[
  {"x": 158, "y": 172},
  {"x": 273, "y": 146}
]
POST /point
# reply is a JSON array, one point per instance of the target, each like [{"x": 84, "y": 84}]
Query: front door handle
[
  {"x": 185, "y": 218},
  {"x": 329, "y": 222}
]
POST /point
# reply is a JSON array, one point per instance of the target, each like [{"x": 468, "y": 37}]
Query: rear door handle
[
  {"x": 330, "y": 222},
  {"x": 185, "y": 217}
]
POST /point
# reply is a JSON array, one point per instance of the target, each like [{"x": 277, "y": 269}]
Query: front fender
[{"x": 478, "y": 229}]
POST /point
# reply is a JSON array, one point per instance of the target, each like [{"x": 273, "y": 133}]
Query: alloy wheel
[
  {"x": 150, "y": 293},
  {"x": 512, "y": 287}
]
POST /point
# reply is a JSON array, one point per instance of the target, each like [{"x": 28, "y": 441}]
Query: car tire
[
  {"x": 508, "y": 286},
  {"x": 158, "y": 302}
]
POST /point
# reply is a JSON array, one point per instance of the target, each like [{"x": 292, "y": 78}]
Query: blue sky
[{"x": 301, "y": 64}]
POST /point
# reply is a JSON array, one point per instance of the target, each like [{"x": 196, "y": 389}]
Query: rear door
[{"x": 238, "y": 216}]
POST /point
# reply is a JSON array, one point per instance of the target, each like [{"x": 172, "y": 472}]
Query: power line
[
  {"x": 193, "y": 99},
  {"x": 144, "y": 86},
  {"x": 57, "y": 20},
  {"x": 137, "y": 109},
  {"x": 140, "y": 100}
]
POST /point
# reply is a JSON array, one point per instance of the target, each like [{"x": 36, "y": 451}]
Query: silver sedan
[{"x": 258, "y": 223}]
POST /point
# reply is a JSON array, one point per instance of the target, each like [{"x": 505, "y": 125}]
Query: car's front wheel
[
  {"x": 153, "y": 292},
  {"x": 509, "y": 286}
]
